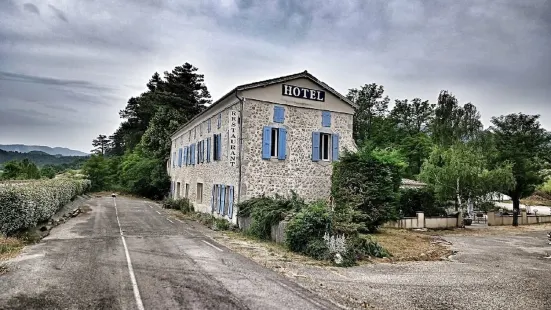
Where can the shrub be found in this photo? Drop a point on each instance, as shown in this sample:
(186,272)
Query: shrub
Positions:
(182,204)
(26,204)
(220,224)
(309,225)
(420,199)
(266,212)
(368,181)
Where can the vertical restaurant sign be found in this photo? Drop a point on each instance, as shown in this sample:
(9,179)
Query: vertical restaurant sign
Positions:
(233,134)
(302,92)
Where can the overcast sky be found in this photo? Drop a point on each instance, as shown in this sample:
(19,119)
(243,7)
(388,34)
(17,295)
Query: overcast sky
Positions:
(68,66)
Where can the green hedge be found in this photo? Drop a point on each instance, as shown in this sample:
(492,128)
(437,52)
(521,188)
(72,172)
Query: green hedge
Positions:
(24,205)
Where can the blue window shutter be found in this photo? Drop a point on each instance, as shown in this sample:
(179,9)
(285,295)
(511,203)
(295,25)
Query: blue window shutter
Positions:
(180,157)
(185,155)
(173,159)
(219,120)
(266,142)
(219,150)
(208,150)
(282,144)
(193,154)
(230,207)
(203,151)
(208,125)
(335,142)
(222,199)
(212,197)
(326,119)
(279,114)
(315,146)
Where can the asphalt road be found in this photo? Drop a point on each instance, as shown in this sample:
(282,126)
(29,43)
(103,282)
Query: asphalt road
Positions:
(129,254)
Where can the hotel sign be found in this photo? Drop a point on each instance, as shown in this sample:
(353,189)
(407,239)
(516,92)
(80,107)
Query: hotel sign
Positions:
(233,133)
(302,92)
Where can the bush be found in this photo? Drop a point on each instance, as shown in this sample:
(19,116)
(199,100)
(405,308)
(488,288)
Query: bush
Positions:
(220,224)
(25,205)
(368,181)
(308,226)
(182,204)
(420,199)
(266,212)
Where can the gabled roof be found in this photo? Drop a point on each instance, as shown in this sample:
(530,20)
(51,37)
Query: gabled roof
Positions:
(265,83)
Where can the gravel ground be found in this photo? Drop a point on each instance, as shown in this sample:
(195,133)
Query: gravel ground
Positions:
(505,269)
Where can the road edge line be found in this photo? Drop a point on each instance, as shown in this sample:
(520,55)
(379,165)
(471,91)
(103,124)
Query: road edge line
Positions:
(135,288)
(212,245)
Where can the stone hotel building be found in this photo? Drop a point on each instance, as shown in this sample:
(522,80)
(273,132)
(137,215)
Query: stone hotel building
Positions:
(266,137)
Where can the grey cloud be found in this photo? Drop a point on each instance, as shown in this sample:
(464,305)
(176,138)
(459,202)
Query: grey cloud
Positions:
(58,13)
(495,54)
(8,76)
(29,7)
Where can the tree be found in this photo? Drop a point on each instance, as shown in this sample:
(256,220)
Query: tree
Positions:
(48,172)
(521,141)
(453,123)
(369,117)
(461,173)
(100,144)
(20,170)
(97,170)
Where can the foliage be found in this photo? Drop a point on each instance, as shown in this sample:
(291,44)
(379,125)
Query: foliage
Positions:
(20,170)
(368,181)
(460,173)
(521,141)
(369,117)
(24,205)
(309,225)
(97,170)
(182,204)
(136,153)
(100,144)
(220,224)
(362,247)
(267,211)
(420,199)
(453,123)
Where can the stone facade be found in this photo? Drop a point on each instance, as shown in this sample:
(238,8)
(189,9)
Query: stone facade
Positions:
(206,173)
(309,179)
(260,176)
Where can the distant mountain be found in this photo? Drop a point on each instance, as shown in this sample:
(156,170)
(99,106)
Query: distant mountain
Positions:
(40,158)
(22,148)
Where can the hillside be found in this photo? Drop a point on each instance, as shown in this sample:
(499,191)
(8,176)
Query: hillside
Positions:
(39,158)
(22,148)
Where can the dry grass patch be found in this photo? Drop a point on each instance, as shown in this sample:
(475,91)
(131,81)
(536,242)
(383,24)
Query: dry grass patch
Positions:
(10,247)
(406,245)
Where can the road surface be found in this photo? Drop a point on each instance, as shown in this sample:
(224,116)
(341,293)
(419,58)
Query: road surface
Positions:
(130,254)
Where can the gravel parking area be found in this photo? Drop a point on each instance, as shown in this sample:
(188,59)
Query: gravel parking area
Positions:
(504,269)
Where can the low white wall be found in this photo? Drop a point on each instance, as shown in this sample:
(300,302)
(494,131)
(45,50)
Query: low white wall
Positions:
(524,219)
(420,221)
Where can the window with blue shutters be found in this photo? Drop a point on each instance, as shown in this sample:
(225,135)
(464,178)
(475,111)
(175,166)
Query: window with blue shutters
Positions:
(192,161)
(180,154)
(279,114)
(219,150)
(274,143)
(222,200)
(325,146)
(208,125)
(326,119)
(219,120)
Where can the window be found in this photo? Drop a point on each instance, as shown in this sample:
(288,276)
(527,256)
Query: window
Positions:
(199,193)
(178,190)
(208,125)
(219,120)
(226,201)
(274,143)
(324,146)
(279,114)
(274,138)
(217,148)
(187,190)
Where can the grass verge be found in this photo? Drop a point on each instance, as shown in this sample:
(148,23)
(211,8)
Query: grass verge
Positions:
(10,247)
(407,245)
